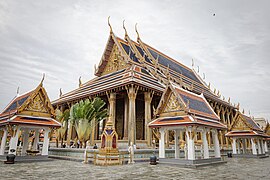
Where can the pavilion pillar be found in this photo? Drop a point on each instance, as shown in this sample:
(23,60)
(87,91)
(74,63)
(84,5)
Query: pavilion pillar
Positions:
(132,93)
(14,141)
(238,147)
(190,143)
(265,146)
(112,102)
(244,146)
(182,143)
(69,132)
(162,143)
(234,146)
(25,141)
(3,142)
(93,132)
(254,149)
(176,144)
(126,118)
(216,144)
(262,145)
(45,148)
(205,144)
(36,139)
(147,118)
(259,146)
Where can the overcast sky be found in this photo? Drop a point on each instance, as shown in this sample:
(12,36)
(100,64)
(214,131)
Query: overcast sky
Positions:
(65,38)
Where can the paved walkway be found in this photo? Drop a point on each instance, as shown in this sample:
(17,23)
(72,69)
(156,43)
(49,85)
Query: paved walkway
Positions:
(60,169)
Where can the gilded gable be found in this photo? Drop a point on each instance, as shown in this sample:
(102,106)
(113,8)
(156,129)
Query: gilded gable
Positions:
(115,62)
(37,104)
(240,124)
(172,104)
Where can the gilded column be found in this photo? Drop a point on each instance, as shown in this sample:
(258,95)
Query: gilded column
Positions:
(126,119)
(112,102)
(147,118)
(132,93)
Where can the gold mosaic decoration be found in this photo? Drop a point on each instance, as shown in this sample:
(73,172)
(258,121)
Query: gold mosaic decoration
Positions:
(172,104)
(240,125)
(36,105)
(115,62)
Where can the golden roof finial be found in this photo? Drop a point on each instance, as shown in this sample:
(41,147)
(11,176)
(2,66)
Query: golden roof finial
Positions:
(249,112)
(192,63)
(243,112)
(60,94)
(229,100)
(138,35)
(203,76)
(80,81)
(209,85)
(18,90)
(215,91)
(238,106)
(125,28)
(110,24)
(42,79)
(198,69)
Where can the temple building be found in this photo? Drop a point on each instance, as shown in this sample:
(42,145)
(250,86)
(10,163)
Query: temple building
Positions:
(131,77)
(23,121)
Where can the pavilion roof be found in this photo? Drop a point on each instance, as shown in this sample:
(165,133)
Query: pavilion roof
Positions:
(246,133)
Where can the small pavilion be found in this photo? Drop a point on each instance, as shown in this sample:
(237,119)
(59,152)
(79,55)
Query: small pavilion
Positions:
(248,139)
(24,118)
(180,110)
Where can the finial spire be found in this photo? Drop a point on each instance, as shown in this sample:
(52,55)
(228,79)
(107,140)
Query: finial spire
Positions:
(243,111)
(198,69)
(138,35)
(204,76)
(110,24)
(192,63)
(229,100)
(18,91)
(80,81)
(60,94)
(42,79)
(124,28)
(238,106)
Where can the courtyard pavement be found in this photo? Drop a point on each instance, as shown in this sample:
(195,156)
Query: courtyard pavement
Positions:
(61,169)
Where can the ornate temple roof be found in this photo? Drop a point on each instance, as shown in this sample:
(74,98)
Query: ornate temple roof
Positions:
(244,125)
(118,57)
(179,107)
(32,108)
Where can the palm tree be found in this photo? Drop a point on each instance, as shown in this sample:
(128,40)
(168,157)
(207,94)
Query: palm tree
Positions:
(63,118)
(83,114)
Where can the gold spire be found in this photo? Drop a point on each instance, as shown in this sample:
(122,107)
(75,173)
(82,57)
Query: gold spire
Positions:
(138,35)
(243,111)
(60,94)
(209,85)
(238,106)
(80,81)
(42,79)
(18,90)
(198,69)
(192,63)
(110,25)
(229,100)
(125,28)
(204,76)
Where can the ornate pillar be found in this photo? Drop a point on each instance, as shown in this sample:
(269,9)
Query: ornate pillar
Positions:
(205,144)
(265,146)
(244,146)
(25,141)
(147,118)
(234,146)
(190,143)
(126,118)
(216,144)
(14,140)
(112,102)
(132,93)
(3,142)
(259,146)
(162,143)
(69,132)
(176,144)
(221,138)
(262,145)
(238,146)
(254,149)
(36,139)
(45,147)
(182,143)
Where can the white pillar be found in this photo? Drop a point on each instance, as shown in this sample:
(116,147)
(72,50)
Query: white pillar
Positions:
(3,142)
(36,139)
(238,147)
(45,147)
(262,145)
(254,149)
(244,146)
(265,146)
(190,144)
(216,144)
(205,145)
(234,145)
(14,141)
(162,143)
(176,144)
(25,141)
(259,146)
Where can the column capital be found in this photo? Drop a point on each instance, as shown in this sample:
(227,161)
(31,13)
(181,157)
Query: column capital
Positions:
(148,96)
(132,92)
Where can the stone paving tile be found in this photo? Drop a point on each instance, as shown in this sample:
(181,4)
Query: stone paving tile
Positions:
(61,169)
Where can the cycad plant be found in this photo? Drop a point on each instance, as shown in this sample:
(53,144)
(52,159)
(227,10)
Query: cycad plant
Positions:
(83,114)
(63,118)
